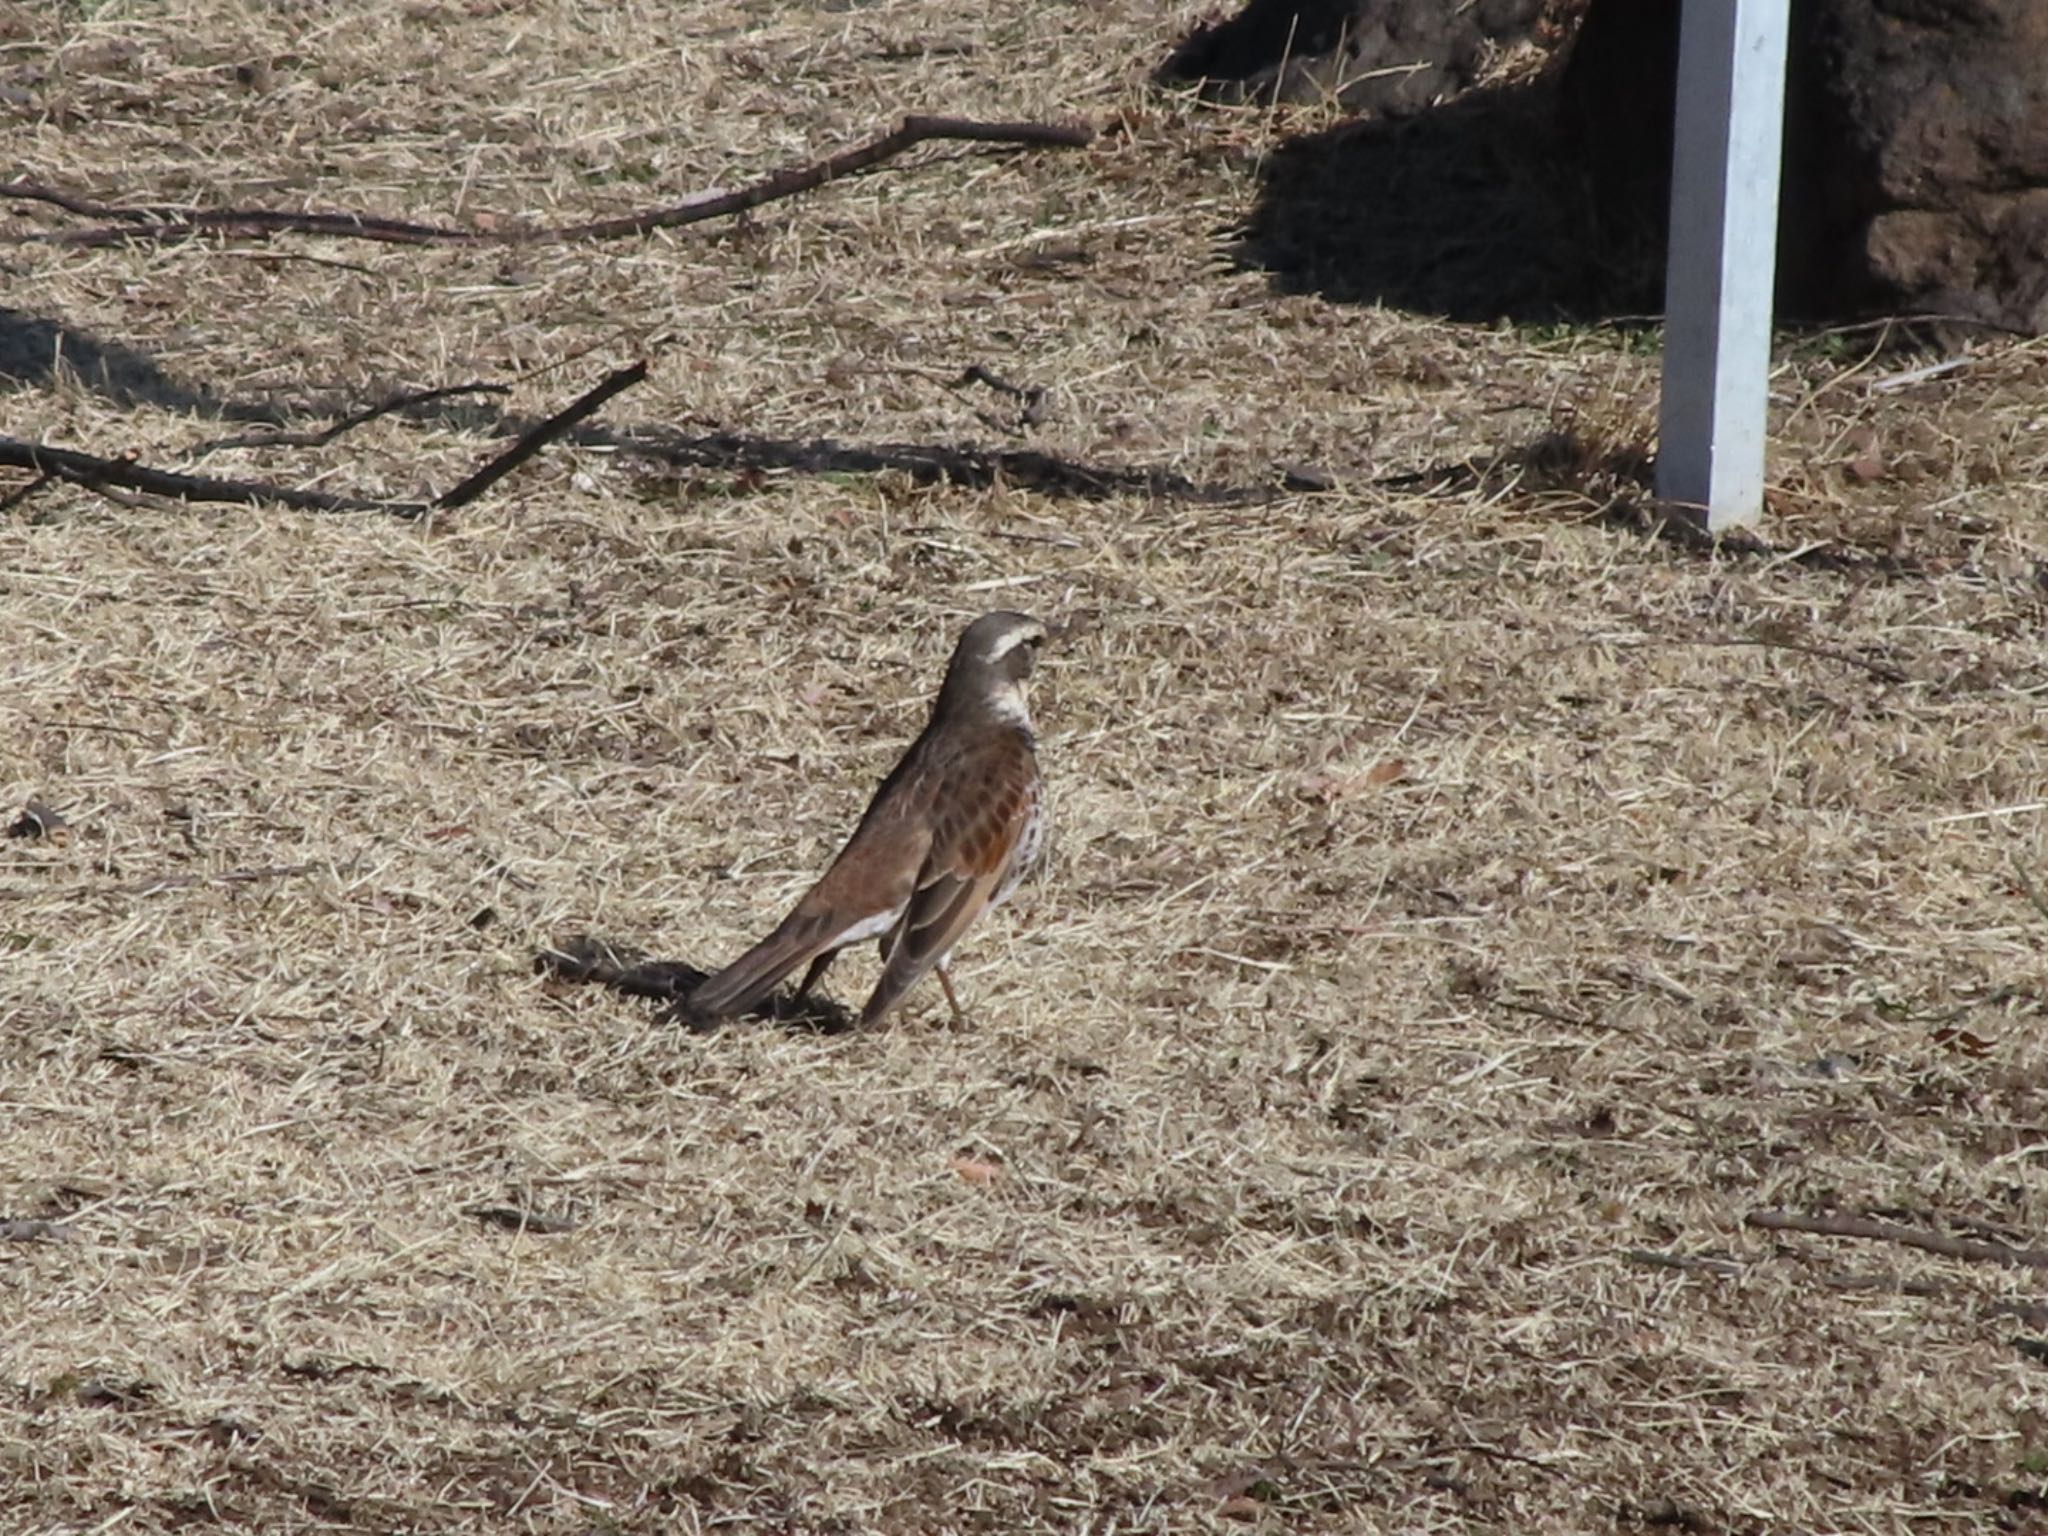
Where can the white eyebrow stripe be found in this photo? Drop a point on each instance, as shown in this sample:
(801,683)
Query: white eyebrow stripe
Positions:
(1011,641)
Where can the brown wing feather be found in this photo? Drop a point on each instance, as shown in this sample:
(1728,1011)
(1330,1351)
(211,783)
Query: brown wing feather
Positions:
(872,875)
(982,808)
(796,940)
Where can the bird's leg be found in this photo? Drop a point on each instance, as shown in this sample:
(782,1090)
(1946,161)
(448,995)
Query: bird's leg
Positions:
(815,973)
(946,981)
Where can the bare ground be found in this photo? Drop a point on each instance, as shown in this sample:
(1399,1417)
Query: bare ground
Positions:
(1469,905)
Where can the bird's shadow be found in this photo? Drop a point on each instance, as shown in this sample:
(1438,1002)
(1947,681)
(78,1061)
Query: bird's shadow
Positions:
(632,973)
(36,351)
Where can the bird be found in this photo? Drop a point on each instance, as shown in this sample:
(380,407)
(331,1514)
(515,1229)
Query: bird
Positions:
(949,834)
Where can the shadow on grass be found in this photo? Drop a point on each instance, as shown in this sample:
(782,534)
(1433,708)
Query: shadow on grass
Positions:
(1615,481)
(631,973)
(37,352)
(41,353)
(1472,212)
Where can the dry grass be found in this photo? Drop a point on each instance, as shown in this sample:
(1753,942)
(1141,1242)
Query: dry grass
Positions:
(1455,892)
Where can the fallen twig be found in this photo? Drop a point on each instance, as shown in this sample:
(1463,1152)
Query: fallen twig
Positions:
(172,223)
(2027,886)
(927,464)
(1997,1232)
(21,493)
(1692,1264)
(348,423)
(515,1218)
(538,436)
(1840,1224)
(157,883)
(1891,1284)
(1883,671)
(1029,397)
(1541,1010)
(100,473)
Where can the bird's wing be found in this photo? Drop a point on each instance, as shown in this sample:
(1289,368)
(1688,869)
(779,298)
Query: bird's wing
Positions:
(978,816)
(798,939)
(861,896)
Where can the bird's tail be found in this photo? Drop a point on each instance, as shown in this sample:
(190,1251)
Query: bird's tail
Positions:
(749,979)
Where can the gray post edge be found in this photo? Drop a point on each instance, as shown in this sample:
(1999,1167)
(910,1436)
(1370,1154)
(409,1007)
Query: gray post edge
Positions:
(1722,258)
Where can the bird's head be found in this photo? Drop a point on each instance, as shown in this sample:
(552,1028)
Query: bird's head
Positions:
(992,661)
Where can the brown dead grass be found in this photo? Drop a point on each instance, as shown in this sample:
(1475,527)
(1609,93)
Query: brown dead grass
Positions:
(1456,893)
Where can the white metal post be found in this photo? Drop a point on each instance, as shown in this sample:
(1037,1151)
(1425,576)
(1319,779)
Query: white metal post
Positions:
(1723,257)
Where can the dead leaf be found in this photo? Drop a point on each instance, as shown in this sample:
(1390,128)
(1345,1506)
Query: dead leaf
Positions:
(1962,1041)
(1332,787)
(974,1171)
(1866,455)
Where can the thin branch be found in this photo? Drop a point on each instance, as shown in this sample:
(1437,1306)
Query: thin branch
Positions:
(1500,1453)
(1540,1010)
(1689,1263)
(1974,1224)
(927,464)
(1882,671)
(25,190)
(157,884)
(791,180)
(162,223)
(516,1218)
(1838,1224)
(1892,1285)
(348,423)
(108,476)
(2027,886)
(21,493)
(97,473)
(539,436)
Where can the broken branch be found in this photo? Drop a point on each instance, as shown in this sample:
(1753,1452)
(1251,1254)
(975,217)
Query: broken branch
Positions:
(161,223)
(369,413)
(98,473)
(1838,1224)
(107,475)
(540,435)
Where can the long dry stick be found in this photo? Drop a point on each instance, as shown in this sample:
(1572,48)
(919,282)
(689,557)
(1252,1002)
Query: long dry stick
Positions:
(1838,1224)
(99,473)
(538,436)
(174,223)
(404,400)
